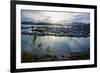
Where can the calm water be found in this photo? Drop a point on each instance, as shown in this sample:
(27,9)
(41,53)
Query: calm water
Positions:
(57,45)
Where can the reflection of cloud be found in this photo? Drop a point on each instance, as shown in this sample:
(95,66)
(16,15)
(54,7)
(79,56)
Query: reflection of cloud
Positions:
(54,17)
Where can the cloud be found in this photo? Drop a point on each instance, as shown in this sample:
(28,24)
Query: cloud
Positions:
(54,17)
(82,17)
(29,15)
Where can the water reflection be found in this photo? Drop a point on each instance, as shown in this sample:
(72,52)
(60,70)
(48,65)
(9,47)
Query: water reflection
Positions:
(58,47)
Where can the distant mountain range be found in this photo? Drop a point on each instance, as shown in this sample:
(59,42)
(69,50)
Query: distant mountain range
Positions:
(41,23)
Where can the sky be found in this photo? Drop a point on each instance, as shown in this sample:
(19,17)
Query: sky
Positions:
(54,16)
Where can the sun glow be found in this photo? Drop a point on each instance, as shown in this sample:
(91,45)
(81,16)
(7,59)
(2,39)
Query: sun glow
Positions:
(54,17)
(58,17)
(39,17)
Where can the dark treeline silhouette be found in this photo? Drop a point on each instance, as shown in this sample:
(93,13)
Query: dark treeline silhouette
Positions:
(71,30)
